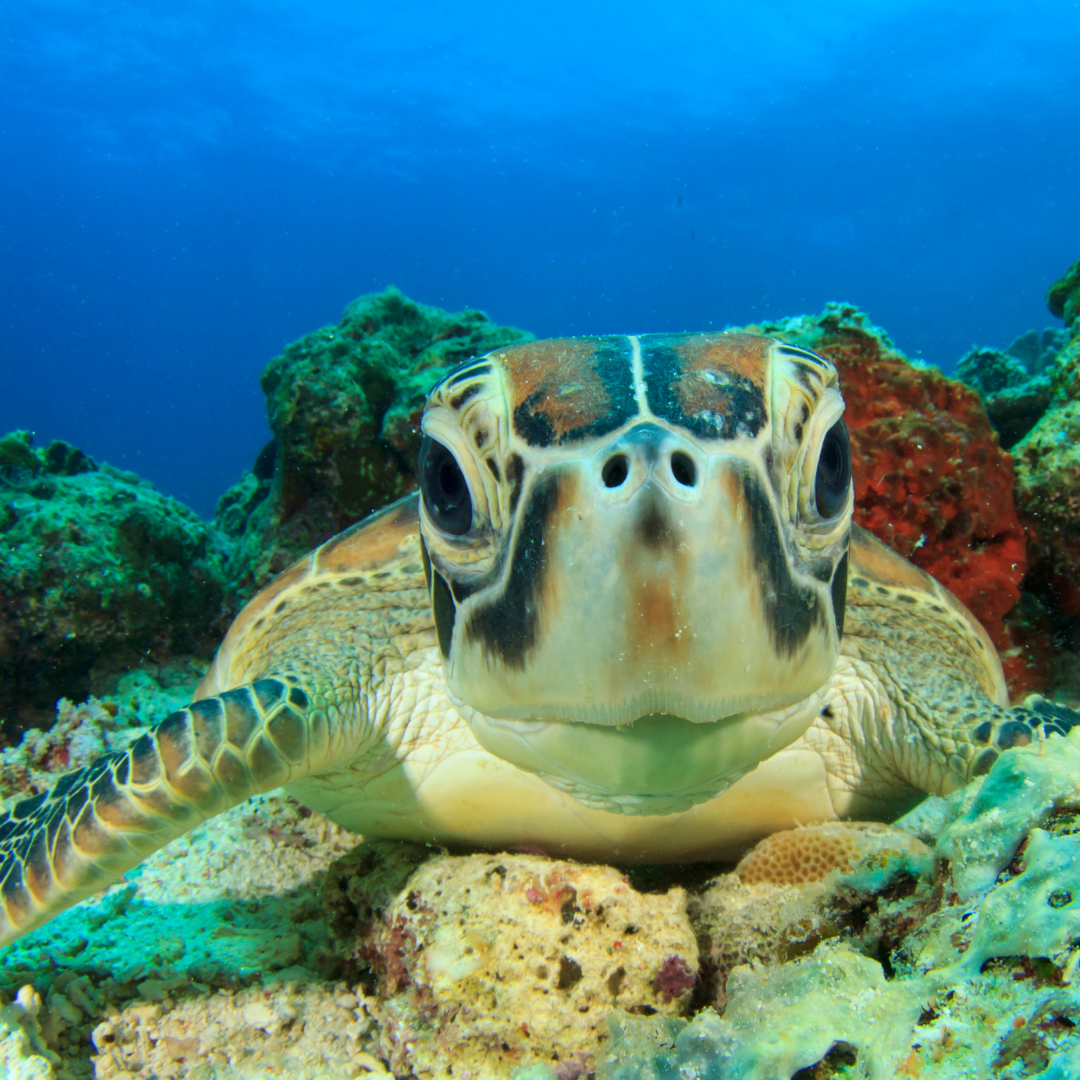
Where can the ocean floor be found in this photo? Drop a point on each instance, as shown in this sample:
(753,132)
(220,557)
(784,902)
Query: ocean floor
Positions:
(267,943)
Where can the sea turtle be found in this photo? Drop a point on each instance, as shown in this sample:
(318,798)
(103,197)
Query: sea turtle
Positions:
(627,617)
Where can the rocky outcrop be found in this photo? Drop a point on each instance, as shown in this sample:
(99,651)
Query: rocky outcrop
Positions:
(97,570)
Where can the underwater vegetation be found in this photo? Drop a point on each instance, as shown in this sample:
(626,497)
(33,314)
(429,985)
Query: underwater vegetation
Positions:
(267,942)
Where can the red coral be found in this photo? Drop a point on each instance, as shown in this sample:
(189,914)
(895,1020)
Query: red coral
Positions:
(931,479)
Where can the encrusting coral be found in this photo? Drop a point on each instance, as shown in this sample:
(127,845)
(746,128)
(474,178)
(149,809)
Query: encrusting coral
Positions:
(486,963)
(264,944)
(1048,463)
(955,971)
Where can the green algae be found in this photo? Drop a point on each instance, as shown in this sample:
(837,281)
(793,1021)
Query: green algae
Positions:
(1063,297)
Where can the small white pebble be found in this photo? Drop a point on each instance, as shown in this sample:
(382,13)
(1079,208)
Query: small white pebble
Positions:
(258,1015)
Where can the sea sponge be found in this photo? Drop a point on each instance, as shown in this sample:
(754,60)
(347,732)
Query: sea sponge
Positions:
(488,963)
(833,1004)
(809,854)
(1019,794)
(1035,913)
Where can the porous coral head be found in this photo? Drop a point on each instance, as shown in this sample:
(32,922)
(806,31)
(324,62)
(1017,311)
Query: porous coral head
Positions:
(806,855)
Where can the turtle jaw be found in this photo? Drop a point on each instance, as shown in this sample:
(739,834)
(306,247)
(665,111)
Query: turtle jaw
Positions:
(657,765)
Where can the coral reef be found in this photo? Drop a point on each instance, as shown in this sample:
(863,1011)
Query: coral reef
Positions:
(811,854)
(263,944)
(490,962)
(1015,384)
(1048,484)
(796,889)
(344,405)
(213,955)
(1048,500)
(81,733)
(98,570)
(961,970)
(931,479)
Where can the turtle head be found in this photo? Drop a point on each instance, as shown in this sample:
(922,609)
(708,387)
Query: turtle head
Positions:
(645,531)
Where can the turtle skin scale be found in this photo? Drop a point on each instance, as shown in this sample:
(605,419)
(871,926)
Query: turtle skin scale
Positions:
(337,681)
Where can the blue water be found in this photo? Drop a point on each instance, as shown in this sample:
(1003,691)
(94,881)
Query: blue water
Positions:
(186,187)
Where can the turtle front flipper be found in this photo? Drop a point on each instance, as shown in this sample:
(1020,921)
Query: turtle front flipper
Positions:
(97,822)
(1020,725)
(918,703)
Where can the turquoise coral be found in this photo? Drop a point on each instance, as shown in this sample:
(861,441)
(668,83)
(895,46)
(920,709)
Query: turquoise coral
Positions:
(984,950)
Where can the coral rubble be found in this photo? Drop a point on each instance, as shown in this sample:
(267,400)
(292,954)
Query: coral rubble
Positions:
(344,405)
(97,569)
(490,962)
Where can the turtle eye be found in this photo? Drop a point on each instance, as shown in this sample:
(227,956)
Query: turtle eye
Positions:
(833,471)
(443,486)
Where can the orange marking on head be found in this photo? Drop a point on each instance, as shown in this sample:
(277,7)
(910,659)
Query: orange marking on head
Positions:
(709,357)
(558,381)
(656,571)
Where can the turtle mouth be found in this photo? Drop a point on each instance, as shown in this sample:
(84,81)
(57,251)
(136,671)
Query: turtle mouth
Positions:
(656,764)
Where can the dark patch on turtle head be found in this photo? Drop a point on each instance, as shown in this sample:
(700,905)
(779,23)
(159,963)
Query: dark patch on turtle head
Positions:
(791,610)
(654,527)
(444,610)
(508,626)
(839,594)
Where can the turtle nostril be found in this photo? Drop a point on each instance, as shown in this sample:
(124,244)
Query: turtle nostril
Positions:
(682,468)
(615,471)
